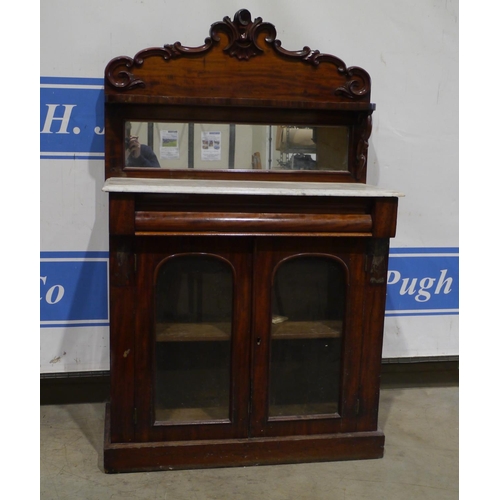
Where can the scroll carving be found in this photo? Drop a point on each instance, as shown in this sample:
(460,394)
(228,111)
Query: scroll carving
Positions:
(119,70)
(242,34)
(362,147)
(357,86)
(378,251)
(359,82)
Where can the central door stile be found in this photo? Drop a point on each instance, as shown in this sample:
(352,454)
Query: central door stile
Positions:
(249,344)
(261,307)
(251,330)
(242,329)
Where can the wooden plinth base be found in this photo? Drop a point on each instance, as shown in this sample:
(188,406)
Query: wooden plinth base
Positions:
(142,457)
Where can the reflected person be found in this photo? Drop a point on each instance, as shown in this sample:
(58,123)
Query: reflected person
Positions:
(139,155)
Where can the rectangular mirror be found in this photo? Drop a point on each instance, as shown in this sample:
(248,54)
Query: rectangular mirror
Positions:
(217,146)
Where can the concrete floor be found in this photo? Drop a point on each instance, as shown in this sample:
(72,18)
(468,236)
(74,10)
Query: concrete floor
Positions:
(420,462)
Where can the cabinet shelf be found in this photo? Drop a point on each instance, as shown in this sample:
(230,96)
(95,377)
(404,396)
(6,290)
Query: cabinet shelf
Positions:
(311,410)
(210,332)
(193,332)
(289,330)
(191,414)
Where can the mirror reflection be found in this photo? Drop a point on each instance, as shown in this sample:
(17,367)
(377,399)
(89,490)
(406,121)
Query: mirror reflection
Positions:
(242,147)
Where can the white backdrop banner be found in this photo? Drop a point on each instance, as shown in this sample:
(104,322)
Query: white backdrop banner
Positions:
(413,148)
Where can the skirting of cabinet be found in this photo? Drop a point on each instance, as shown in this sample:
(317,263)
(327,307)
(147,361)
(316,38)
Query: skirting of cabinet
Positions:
(151,456)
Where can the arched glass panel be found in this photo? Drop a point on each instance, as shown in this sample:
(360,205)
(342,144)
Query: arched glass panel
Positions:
(194,300)
(306,339)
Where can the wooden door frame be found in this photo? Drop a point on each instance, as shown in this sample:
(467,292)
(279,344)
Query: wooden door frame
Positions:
(151,253)
(268,255)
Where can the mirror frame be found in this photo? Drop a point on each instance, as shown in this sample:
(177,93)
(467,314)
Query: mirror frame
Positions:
(241,75)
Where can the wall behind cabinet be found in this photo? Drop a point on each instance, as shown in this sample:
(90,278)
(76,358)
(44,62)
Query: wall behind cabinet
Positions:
(410,50)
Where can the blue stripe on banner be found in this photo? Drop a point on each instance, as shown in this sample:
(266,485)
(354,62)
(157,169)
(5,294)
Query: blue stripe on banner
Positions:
(424,250)
(63,80)
(73,289)
(74,255)
(423,281)
(73,156)
(71,118)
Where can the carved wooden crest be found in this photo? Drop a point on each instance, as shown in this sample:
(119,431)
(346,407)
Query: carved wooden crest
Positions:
(244,43)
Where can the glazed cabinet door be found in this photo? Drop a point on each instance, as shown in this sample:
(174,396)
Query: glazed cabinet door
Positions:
(307,330)
(248,337)
(192,334)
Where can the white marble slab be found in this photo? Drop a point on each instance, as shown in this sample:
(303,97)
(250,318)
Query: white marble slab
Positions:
(191,186)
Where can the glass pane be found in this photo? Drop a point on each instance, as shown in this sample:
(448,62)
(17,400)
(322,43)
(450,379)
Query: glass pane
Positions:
(306,339)
(193,339)
(219,146)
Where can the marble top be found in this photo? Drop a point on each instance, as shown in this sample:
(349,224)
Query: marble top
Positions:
(192,186)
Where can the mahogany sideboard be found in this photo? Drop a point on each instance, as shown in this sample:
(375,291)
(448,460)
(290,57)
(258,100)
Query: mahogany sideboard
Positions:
(248,256)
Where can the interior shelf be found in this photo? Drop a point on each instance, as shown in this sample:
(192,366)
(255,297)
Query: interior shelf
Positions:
(289,330)
(207,332)
(193,332)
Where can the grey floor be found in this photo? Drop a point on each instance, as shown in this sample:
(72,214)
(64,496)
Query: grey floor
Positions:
(420,462)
